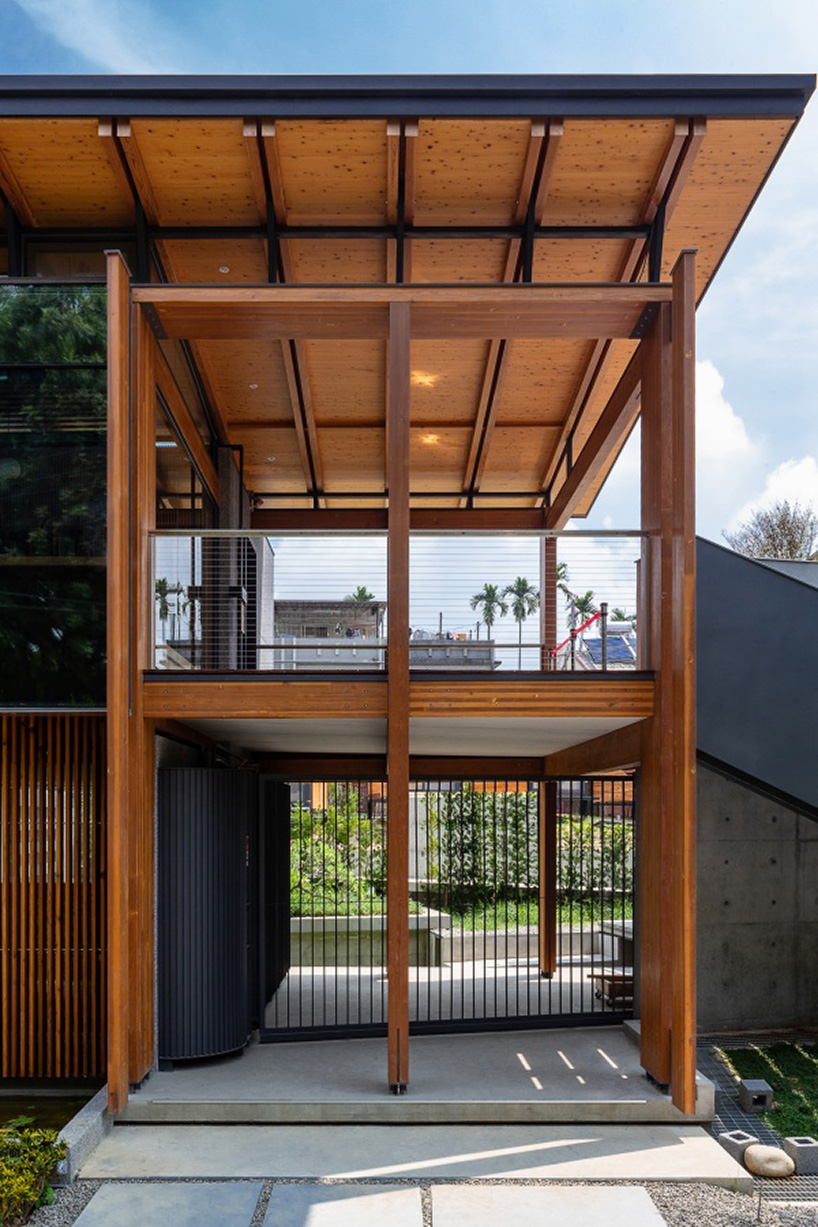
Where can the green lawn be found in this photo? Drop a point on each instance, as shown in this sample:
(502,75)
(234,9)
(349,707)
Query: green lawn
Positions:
(792,1072)
(517,915)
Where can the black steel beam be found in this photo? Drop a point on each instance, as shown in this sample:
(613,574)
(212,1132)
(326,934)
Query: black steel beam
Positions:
(502,233)
(407,96)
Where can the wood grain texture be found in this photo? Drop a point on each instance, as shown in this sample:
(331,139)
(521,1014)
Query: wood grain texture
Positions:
(141,902)
(52,906)
(185,424)
(669,743)
(299,313)
(684,682)
(180,698)
(398,690)
(543,143)
(607,437)
(547,877)
(551,696)
(610,752)
(656,872)
(683,144)
(118,676)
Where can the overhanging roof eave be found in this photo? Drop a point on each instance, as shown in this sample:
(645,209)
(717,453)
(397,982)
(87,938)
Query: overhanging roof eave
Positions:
(401,96)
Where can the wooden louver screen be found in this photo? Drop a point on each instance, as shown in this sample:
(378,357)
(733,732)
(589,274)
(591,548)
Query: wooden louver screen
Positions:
(52,903)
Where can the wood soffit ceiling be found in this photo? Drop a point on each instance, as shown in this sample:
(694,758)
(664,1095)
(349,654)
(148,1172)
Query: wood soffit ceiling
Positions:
(486,416)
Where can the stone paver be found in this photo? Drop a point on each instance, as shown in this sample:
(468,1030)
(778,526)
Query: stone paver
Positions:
(333,1205)
(489,1205)
(172,1204)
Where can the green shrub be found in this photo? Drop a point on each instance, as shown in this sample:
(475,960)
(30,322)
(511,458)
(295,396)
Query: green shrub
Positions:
(323,884)
(483,850)
(27,1158)
(337,857)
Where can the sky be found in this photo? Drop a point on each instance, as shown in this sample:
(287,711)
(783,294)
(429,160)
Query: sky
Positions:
(757,346)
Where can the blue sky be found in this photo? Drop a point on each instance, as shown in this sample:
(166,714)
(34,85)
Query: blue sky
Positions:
(758,326)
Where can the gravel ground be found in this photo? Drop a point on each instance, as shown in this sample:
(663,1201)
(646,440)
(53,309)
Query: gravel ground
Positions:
(681,1205)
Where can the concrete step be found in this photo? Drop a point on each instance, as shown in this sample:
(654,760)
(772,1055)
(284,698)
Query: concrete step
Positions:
(589,1075)
(639,1153)
(409,1110)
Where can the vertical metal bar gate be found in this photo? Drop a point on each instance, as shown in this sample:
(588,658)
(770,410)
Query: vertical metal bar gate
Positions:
(475,865)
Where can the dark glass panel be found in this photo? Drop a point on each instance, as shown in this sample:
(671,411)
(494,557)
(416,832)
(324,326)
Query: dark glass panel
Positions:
(52,495)
(52,634)
(181,369)
(52,323)
(181,499)
(73,261)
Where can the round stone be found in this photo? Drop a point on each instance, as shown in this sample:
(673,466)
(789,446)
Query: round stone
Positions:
(768,1161)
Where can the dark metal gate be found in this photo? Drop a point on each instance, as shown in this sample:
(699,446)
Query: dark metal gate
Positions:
(521,908)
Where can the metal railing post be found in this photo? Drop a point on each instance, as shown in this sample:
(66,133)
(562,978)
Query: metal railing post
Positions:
(603,618)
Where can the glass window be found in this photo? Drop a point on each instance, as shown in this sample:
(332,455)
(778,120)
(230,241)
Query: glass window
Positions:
(52,495)
(181,499)
(72,261)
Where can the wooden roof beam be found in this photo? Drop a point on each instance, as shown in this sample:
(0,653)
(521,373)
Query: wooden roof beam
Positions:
(127,163)
(671,175)
(401,146)
(617,750)
(298,313)
(609,433)
(106,131)
(139,172)
(264,157)
(543,144)
(15,196)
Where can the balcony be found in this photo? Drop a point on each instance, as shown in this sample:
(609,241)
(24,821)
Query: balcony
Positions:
(245,602)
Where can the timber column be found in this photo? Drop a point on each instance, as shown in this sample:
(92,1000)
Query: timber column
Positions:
(667,891)
(118,680)
(397,737)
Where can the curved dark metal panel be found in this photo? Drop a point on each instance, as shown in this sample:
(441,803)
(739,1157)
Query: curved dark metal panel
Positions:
(204,815)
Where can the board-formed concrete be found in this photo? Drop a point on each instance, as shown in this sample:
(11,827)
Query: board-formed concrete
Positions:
(455,1205)
(344,1205)
(179,1204)
(434,1152)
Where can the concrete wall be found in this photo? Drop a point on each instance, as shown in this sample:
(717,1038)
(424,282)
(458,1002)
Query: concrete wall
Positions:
(757,909)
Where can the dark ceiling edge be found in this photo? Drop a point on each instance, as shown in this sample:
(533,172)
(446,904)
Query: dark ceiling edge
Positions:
(402,96)
(798,804)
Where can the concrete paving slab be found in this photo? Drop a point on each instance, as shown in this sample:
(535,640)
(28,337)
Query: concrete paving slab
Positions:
(336,1205)
(488,1205)
(361,1152)
(183,1205)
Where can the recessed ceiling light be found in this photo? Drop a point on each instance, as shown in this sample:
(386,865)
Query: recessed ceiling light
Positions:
(252,386)
(224,268)
(423,379)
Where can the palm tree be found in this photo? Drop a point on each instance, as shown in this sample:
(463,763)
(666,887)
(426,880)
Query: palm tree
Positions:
(524,600)
(163,592)
(562,581)
(360,594)
(491,603)
(584,607)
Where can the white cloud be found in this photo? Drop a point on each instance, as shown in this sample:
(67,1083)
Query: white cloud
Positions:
(794,481)
(721,436)
(729,459)
(117,35)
